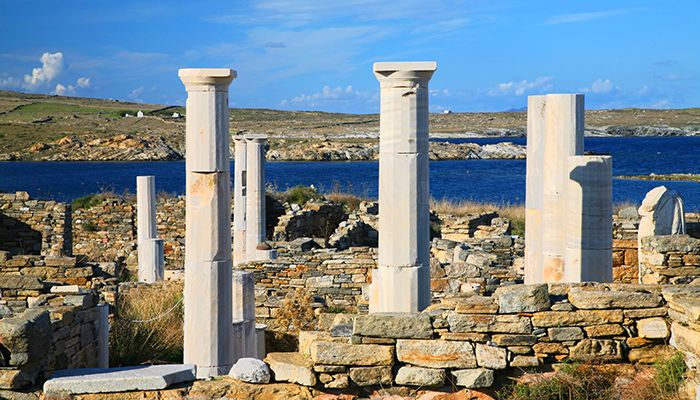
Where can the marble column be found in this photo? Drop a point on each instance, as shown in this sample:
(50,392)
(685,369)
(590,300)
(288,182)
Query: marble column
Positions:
(256,249)
(401,283)
(589,219)
(208,341)
(533,189)
(150,248)
(244,336)
(239,200)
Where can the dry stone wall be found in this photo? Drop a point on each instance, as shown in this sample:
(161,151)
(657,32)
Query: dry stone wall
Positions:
(467,340)
(673,259)
(29,226)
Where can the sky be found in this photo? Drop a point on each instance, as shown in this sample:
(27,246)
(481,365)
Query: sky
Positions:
(318,54)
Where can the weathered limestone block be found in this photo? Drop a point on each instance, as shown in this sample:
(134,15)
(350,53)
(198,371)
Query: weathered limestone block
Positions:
(491,357)
(26,338)
(394,325)
(597,349)
(418,376)
(489,323)
(652,328)
(650,354)
(602,299)
(342,325)
(604,330)
(473,378)
(565,334)
(549,348)
(474,305)
(351,354)
(522,298)
(370,376)
(291,367)
(521,361)
(436,353)
(685,339)
(514,340)
(553,319)
(250,370)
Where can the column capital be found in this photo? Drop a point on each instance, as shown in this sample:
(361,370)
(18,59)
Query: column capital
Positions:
(394,73)
(256,137)
(238,138)
(203,79)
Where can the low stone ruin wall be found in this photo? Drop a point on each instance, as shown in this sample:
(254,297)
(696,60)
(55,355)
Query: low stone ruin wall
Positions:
(472,341)
(37,227)
(671,259)
(107,231)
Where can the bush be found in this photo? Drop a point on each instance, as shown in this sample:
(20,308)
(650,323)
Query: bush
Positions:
(147,326)
(300,195)
(86,202)
(573,382)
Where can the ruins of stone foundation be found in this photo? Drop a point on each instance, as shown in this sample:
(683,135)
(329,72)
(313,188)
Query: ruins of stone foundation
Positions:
(420,308)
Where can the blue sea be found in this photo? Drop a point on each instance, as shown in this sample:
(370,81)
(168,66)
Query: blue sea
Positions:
(500,181)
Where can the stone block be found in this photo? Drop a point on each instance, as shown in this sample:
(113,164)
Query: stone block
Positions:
(351,354)
(418,376)
(250,370)
(473,378)
(291,367)
(436,353)
(475,305)
(597,350)
(491,357)
(603,299)
(394,325)
(652,328)
(514,340)
(604,330)
(651,354)
(371,376)
(522,298)
(521,361)
(553,319)
(489,323)
(25,338)
(565,334)
(125,379)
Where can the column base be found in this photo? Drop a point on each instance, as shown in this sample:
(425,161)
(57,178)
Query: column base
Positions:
(396,289)
(210,372)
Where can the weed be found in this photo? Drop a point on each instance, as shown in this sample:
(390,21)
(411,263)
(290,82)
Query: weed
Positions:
(147,327)
(300,195)
(87,202)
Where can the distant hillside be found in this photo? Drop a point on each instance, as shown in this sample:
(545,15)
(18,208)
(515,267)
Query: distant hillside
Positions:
(41,127)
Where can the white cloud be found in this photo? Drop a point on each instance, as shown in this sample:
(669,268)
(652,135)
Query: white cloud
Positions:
(62,90)
(52,65)
(661,104)
(136,93)
(587,16)
(600,86)
(337,96)
(83,82)
(520,88)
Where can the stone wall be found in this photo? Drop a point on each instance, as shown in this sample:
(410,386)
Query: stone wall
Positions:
(30,226)
(48,318)
(673,259)
(466,340)
(107,231)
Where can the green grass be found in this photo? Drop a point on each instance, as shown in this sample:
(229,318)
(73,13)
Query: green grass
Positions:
(87,202)
(37,110)
(300,195)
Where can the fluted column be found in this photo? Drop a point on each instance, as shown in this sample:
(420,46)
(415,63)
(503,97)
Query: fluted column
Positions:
(208,259)
(401,283)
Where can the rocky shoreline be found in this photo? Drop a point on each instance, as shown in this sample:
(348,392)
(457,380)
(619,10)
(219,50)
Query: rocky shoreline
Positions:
(126,147)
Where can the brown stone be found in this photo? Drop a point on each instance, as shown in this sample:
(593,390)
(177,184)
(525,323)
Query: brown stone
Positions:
(436,353)
(489,323)
(604,330)
(549,348)
(370,376)
(551,319)
(351,354)
(597,350)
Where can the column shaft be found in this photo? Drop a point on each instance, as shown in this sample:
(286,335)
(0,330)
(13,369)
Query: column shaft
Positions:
(208,264)
(402,281)
(150,249)
(239,201)
(563,138)
(533,188)
(255,199)
(589,219)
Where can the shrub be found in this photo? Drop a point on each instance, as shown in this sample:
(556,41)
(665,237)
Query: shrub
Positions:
(300,195)
(573,382)
(90,226)
(147,326)
(86,202)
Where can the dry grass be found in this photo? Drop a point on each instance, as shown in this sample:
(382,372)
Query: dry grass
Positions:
(294,314)
(351,201)
(147,327)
